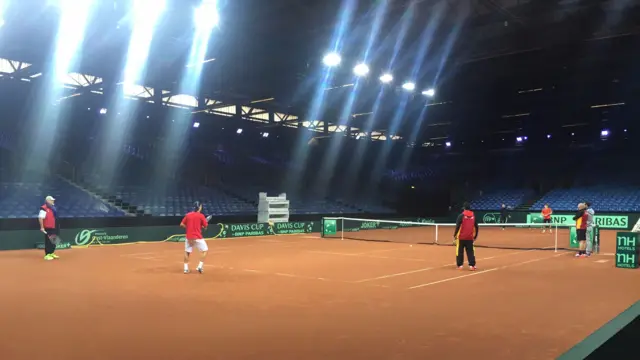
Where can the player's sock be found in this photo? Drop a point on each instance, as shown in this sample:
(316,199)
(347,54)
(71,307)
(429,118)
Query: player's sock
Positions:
(186,267)
(201,265)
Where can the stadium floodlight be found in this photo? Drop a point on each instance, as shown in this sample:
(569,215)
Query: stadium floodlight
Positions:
(409,86)
(265,135)
(361,69)
(239,131)
(525,138)
(447,144)
(206,16)
(519,139)
(548,136)
(429,92)
(332,59)
(604,133)
(103,111)
(196,124)
(386,78)
(625,130)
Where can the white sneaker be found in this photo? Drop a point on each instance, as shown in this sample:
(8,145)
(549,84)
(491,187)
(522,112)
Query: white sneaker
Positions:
(186,271)
(200,270)
(544,231)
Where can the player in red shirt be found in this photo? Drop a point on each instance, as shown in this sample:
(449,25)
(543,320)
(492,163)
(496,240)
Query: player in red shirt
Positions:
(546,217)
(193,223)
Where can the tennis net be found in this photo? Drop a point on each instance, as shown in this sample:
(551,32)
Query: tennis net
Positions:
(502,236)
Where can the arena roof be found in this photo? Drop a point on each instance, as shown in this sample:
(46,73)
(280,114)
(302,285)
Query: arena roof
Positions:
(493,63)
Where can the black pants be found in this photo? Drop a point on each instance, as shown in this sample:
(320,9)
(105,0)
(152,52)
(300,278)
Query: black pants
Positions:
(49,247)
(461,247)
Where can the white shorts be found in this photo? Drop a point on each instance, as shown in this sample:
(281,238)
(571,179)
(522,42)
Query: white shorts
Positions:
(199,244)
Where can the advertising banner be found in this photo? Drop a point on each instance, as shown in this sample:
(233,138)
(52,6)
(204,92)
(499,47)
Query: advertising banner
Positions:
(627,250)
(333,226)
(603,221)
(262,229)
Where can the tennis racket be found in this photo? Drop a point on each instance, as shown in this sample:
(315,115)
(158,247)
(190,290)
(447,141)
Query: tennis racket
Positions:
(209,218)
(55,239)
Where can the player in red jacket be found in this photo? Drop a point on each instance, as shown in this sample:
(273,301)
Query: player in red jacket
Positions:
(193,223)
(464,236)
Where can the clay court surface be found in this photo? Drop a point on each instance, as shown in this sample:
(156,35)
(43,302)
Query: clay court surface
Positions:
(303,297)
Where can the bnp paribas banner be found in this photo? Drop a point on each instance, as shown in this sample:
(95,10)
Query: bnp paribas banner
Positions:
(603,221)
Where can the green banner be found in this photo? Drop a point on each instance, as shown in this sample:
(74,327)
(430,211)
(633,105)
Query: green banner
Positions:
(332,226)
(493,217)
(627,250)
(573,238)
(594,235)
(329,227)
(256,229)
(603,221)
(262,229)
(28,239)
(117,235)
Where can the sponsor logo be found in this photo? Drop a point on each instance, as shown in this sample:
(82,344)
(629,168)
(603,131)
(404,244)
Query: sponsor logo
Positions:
(491,218)
(242,230)
(60,246)
(612,222)
(247,227)
(292,227)
(603,221)
(369,225)
(330,227)
(88,236)
(627,250)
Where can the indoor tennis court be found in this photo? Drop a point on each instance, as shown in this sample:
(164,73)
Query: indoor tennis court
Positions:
(304,297)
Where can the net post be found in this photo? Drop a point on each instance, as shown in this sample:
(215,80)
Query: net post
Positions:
(437,233)
(555,249)
(341,228)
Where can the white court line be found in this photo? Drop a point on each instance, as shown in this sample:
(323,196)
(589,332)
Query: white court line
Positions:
(453,278)
(150,258)
(486,271)
(436,267)
(291,275)
(394,275)
(364,256)
(381,250)
(138,254)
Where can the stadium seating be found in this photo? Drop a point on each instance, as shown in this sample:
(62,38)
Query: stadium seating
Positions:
(298,204)
(493,200)
(602,198)
(22,200)
(179,201)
